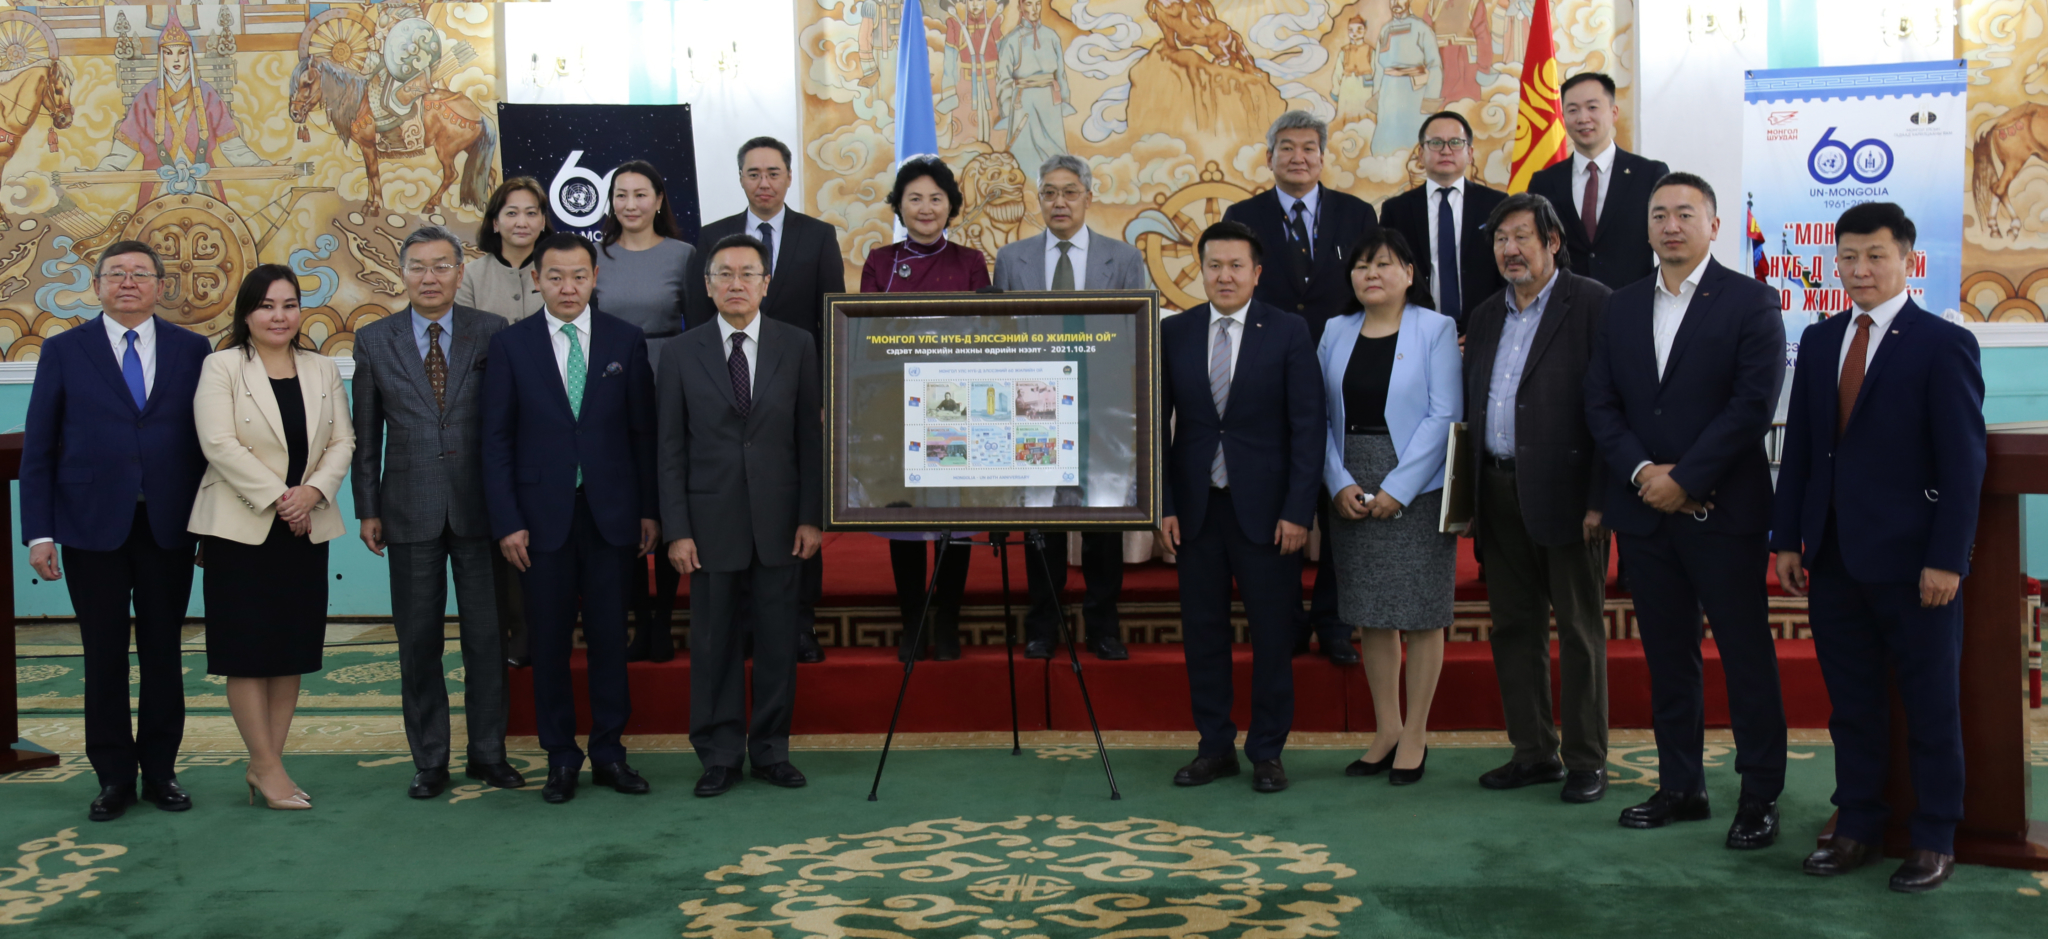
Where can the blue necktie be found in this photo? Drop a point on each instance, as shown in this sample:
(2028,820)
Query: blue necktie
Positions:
(131,369)
(1447,258)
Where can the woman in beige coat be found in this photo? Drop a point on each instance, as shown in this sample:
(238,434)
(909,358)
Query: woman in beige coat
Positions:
(274,425)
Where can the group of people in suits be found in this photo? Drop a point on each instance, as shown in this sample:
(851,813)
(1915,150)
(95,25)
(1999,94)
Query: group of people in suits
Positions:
(1617,383)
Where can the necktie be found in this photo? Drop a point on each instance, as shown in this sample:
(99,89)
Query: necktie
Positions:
(1447,258)
(1063,271)
(131,369)
(574,384)
(768,239)
(1852,373)
(1301,255)
(1219,392)
(742,386)
(437,366)
(1589,211)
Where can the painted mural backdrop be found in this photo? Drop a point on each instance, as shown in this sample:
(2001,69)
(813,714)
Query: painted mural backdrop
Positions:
(2005,222)
(230,135)
(1168,100)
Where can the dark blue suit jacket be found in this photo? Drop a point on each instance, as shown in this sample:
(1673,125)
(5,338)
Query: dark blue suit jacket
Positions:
(1271,431)
(533,443)
(1344,219)
(1622,254)
(87,452)
(1904,478)
(1710,412)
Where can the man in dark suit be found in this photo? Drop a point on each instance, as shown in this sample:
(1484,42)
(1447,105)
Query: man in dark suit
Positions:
(110,463)
(1536,512)
(1875,515)
(419,374)
(804,259)
(1603,191)
(742,498)
(1243,393)
(568,446)
(1310,228)
(1680,395)
(1445,219)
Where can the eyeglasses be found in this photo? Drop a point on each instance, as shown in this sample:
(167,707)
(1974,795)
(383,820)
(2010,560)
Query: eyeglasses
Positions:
(1453,143)
(723,278)
(129,277)
(442,270)
(755,176)
(1072,194)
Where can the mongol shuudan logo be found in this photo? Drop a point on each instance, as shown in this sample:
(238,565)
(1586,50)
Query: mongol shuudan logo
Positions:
(1831,161)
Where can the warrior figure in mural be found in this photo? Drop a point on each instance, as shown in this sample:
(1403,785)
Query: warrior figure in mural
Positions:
(1031,81)
(879,22)
(400,76)
(179,125)
(971,35)
(1457,29)
(1353,87)
(1406,70)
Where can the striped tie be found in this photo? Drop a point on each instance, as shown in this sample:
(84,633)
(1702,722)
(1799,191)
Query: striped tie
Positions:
(1219,391)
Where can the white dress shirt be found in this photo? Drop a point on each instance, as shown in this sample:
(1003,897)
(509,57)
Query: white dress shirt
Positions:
(774,225)
(1077,255)
(750,347)
(1431,187)
(1237,317)
(1312,207)
(560,341)
(1881,318)
(145,347)
(1579,162)
(1667,313)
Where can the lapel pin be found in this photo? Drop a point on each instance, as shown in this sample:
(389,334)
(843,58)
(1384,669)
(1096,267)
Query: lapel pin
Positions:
(614,369)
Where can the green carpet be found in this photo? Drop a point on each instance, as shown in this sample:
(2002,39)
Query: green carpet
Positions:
(964,843)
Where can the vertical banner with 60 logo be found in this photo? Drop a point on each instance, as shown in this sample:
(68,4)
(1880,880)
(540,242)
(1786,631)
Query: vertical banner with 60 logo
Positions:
(1819,140)
(573,148)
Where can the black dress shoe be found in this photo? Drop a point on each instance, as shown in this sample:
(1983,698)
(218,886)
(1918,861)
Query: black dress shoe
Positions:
(1405,777)
(518,661)
(620,777)
(428,783)
(1756,824)
(1338,648)
(636,654)
(495,775)
(1205,770)
(1268,776)
(808,651)
(780,774)
(667,654)
(946,648)
(1360,767)
(1516,775)
(561,784)
(166,795)
(716,780)
(1665,807)
(1840,856)
(1923,871)
(1108,648)
(1584,785)
(1038,648)
(111,802)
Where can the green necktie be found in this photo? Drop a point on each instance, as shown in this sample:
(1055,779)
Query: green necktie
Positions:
(1063,271)
(575,383)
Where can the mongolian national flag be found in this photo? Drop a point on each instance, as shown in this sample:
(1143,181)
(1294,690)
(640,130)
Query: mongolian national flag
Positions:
(1756,248)
(1539,131)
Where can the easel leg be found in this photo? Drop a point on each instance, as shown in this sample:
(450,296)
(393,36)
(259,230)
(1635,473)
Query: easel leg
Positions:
(1036,540)
(910,665)
(1002,543)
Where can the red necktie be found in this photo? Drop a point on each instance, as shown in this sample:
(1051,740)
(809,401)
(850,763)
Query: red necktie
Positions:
(1852,373)
(1589,211)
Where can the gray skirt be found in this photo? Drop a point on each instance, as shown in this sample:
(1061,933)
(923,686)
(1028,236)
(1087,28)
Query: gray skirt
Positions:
(1396,573)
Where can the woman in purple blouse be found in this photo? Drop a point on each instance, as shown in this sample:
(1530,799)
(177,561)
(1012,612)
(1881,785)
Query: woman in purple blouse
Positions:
(926,198)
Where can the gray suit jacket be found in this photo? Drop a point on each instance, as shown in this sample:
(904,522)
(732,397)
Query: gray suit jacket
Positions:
(419,468)
(740,486)
(1112,265)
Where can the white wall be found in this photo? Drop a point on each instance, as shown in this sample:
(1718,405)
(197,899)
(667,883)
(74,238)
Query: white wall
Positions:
(658,52)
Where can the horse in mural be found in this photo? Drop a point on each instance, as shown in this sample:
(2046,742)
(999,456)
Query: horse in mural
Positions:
(25,96)
(454,126)
(2003,148)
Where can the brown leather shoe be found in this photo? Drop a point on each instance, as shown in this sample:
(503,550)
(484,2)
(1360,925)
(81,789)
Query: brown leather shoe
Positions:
(1923,871)
(1840,856)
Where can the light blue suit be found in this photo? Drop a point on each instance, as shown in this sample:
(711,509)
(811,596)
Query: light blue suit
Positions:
(1424,396)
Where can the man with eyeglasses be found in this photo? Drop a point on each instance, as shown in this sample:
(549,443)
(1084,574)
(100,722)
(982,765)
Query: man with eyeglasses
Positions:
(1069,256)
(742,501)
(419,491)
(110,464)
(1445,219)
(804,259)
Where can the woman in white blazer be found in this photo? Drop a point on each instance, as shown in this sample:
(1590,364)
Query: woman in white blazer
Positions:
(1393,384)
(274,425)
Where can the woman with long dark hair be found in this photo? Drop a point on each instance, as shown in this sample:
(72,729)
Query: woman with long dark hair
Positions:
(274,424)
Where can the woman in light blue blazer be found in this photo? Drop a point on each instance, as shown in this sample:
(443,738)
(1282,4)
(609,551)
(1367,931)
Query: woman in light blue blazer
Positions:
(1393,385)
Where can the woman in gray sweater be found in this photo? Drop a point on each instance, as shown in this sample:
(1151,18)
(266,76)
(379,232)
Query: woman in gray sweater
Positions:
(500,282)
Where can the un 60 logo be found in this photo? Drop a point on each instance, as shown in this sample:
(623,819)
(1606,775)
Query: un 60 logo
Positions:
(1831,161)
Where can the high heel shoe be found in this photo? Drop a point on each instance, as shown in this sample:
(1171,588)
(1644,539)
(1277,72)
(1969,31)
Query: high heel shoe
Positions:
(1362,767)
(1403,777)
(295,803)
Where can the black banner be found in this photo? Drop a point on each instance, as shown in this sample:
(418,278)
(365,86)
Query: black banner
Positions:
(573,148)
